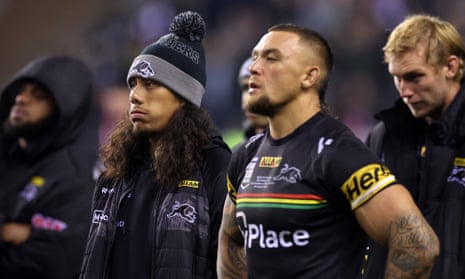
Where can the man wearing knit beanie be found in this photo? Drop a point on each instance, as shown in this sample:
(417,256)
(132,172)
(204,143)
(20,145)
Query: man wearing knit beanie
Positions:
(176,60)
(158,204)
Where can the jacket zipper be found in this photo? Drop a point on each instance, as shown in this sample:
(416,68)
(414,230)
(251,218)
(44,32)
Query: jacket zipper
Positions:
(111,238)
(153,233)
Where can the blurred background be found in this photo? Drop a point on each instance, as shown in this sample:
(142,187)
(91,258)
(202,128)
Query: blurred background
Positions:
(107,34)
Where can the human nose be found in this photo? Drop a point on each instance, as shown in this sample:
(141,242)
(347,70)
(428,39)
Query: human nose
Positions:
(404,89)
(135,95)
(253,68)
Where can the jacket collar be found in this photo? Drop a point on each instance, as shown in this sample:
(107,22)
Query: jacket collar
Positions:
(448,130)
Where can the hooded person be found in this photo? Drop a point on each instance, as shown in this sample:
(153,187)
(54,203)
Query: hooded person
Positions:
(45,169)
(158,204)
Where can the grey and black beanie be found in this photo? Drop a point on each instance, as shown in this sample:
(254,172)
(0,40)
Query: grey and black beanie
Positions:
(177,59)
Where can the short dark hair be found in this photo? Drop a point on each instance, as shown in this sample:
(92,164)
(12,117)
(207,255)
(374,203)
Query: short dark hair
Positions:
(318,43)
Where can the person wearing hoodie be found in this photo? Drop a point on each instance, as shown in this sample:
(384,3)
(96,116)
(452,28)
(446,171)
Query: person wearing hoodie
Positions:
(45,169)
(158,204)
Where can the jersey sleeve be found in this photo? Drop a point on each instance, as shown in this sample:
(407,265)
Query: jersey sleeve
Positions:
(350,168)
(234,173)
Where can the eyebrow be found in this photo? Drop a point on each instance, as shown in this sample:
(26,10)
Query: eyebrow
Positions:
(267,52)
(409,74)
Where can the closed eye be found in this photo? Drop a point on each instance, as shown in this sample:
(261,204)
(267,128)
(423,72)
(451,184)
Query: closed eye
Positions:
(412,77)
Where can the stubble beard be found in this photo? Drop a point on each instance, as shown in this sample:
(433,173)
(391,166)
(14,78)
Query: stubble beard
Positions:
(262,106)
(30,130)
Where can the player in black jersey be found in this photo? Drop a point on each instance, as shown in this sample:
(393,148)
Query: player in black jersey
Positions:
(304,194)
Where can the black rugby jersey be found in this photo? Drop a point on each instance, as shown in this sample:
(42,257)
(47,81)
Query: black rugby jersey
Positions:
(295,199)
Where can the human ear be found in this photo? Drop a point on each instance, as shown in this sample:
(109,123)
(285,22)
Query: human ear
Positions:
(311,78)
(452,65)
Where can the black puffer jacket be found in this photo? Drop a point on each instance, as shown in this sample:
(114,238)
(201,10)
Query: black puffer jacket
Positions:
(49,185)
(182,233)
(430,161)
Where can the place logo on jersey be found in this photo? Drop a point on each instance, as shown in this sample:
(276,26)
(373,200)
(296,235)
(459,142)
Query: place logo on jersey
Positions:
(189,183)
(457,173)
(31,189)
(270,161)
(289,174)
(365,183)
(183,210)
(40,221)
(258,236)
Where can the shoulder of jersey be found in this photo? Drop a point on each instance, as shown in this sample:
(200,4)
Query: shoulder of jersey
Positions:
(253,139)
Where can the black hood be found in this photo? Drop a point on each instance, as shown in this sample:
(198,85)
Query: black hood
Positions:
(69,82)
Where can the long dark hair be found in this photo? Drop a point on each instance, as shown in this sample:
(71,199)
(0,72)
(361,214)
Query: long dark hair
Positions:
(173,157)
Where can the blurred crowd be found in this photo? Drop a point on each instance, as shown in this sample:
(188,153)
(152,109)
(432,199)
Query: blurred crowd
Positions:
(356,31)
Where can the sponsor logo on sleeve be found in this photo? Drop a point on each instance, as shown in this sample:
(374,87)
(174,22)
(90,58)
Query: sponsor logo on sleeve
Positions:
(365,183)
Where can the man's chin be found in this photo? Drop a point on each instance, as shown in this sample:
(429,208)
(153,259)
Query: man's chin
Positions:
(29,130)
(141,131)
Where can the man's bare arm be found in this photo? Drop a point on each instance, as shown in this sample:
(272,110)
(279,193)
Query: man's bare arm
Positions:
(231,256)
(392,219)
(412,248)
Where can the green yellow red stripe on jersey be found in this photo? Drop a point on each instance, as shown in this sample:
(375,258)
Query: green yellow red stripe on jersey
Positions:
(277,200)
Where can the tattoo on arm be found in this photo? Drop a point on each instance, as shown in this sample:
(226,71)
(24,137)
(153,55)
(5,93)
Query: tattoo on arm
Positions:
(231,254)
(413,247)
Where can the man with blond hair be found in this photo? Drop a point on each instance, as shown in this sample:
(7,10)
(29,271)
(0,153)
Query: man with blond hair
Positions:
(422,137)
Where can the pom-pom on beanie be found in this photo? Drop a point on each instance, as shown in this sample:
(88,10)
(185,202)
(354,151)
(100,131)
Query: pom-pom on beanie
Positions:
(177,59)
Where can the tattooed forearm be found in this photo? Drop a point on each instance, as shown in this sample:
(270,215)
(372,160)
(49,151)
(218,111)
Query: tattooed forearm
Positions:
(413,246)
(231,255)
(233,265)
